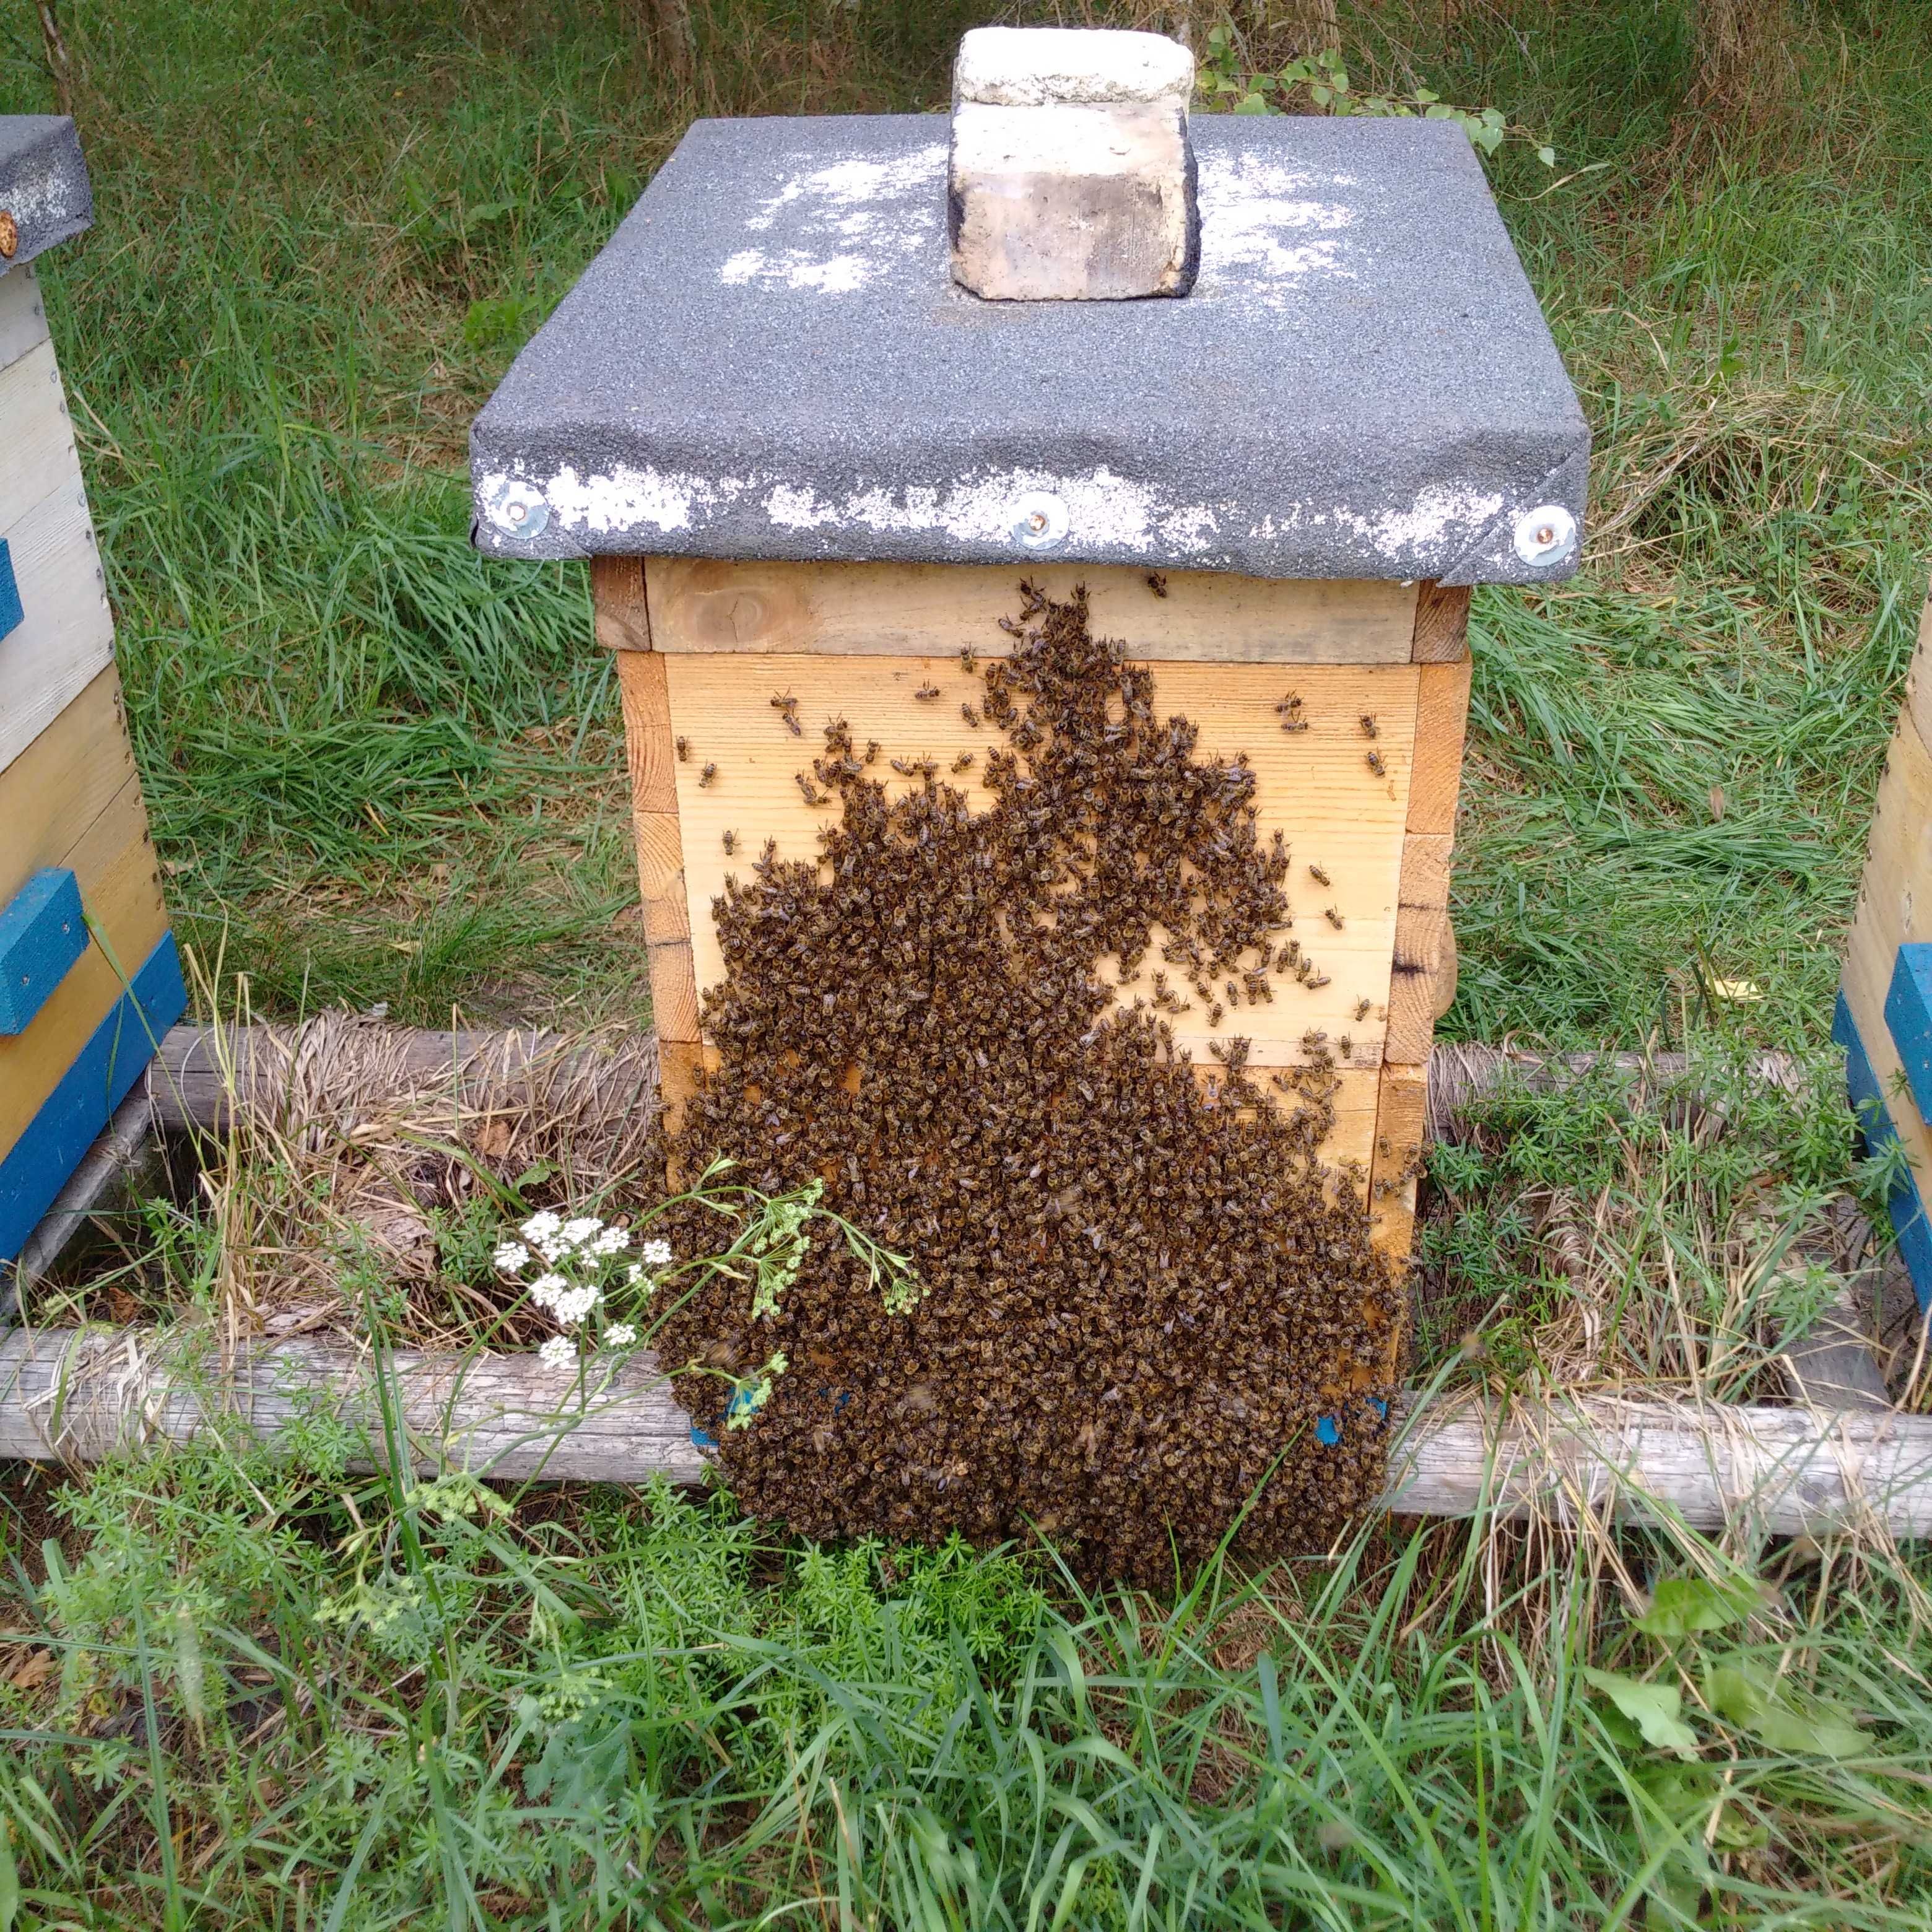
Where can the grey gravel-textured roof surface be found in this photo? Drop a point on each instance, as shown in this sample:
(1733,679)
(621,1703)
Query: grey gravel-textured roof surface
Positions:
(43,183)
(770,359)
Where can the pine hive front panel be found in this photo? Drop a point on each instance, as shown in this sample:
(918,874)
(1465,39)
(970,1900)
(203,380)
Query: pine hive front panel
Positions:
(1380,838)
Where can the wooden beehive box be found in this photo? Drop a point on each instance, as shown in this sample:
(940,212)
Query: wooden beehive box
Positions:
(88,974)
(1884,1018)
(803,460)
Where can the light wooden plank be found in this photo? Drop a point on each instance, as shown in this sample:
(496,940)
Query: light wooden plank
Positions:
(711,605)
(1441,634)
(1421,942)
(65,638)
(1315,785)
(1441,721)
(120,892)
(617,594)
(38,437)
(661,881)
(23,315)
(62,782)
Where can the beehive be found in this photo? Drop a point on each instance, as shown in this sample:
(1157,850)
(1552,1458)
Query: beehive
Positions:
(88,974)
(804,461)
(1884,1018)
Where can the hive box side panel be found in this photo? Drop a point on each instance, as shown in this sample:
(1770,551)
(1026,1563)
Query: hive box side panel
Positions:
(1895,908)
(1316,786)
(65,637)
(114,865)
(711,606)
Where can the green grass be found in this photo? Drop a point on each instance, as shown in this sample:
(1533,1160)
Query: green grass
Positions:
(255,1693)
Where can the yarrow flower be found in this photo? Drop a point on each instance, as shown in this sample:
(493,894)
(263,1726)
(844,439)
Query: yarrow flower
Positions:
(511,1256)
(656,1254)
(571,1307)
(620,1335)
(559,1352)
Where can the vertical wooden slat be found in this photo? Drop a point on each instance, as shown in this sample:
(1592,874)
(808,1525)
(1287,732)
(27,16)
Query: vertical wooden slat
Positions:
(1421,927)
(1441,719)
(617,586)
(1441,623)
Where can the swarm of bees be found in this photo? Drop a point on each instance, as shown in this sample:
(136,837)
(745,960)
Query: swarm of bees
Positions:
(1136,1288)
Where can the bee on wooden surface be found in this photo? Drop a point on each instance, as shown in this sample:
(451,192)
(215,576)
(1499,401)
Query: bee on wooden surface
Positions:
(808,790)
(1375,764)
(872,748)
(1362,1010)
(969,659)
(1318,982)
(964,763)
(683,750)
(786,706)
(1156,582)
(1333,917)
(1289,712)
(1368,727)
(706,776)
(926,693)
(1012,628)
(730,843)
(971,716)
(1320,876)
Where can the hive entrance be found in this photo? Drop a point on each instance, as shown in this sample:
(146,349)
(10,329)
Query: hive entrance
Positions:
(1145,1287)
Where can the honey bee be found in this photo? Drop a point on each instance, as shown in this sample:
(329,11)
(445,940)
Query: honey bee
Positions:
(1361,1009)
(709,772)
(730,843)
(1289,712)
(1156,582)
(971,716)
(926,693)
(969,659)
(1369,730)
(808,790)
(1375,764)
(683,750)
(787,707)
(1317,874)
(964,763)
(1333,917)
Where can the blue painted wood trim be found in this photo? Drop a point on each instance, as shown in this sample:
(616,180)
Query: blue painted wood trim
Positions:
(1874,1116)
(79,1108)
(1908,1014)
(42,934)
(10,612)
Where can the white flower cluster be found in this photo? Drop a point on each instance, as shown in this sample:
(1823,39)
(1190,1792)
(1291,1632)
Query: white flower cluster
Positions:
(574,1253)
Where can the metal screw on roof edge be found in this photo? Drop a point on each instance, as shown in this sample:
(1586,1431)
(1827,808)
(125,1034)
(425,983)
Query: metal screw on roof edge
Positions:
(1039,521)
(1546,535)
(517,508)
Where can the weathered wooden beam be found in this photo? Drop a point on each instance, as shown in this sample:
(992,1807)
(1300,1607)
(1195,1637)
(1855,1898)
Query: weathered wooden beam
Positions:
(74,1396)
(78,1395)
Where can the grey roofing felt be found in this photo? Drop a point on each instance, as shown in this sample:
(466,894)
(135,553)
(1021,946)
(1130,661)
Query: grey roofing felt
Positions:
(770,359)
(42,182)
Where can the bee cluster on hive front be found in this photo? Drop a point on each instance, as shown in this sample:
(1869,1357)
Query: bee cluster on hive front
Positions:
(1136,1292)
